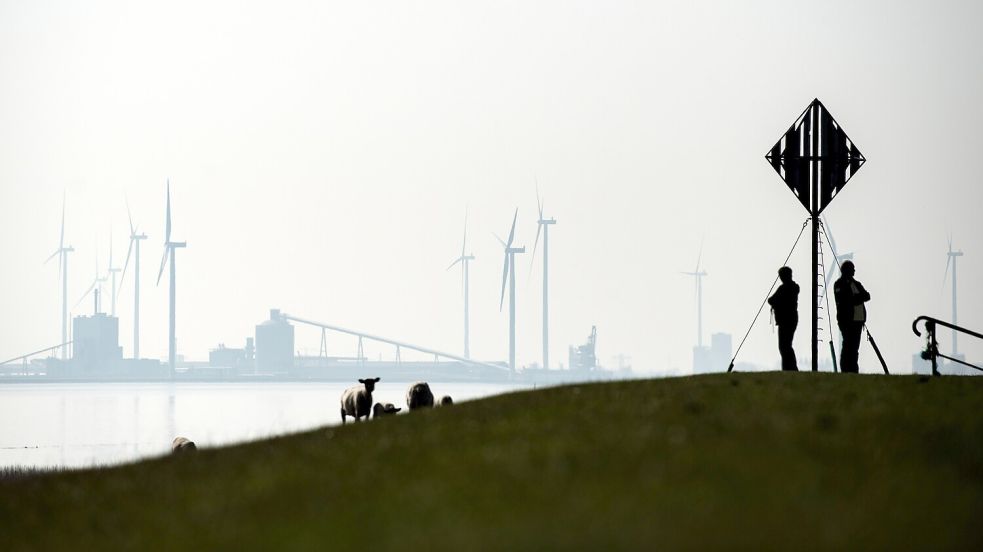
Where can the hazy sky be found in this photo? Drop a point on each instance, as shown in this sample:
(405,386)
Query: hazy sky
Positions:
(322,155)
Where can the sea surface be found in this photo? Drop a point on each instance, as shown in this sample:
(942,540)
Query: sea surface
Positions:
(94,424)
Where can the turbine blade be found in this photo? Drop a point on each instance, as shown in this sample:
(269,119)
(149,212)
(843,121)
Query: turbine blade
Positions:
(700,256)
(505,276)
(167,231)
(499,239)
(512,231)
(457,260)
(532,260)
(829,233)
(52,256)
(163,263)
(126,263)
(539,202)
(86,294)
(129,216)
(948,260)
(464,242)
(61,240)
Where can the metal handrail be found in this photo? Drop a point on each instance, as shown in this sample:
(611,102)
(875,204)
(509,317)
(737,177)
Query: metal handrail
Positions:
(932,352)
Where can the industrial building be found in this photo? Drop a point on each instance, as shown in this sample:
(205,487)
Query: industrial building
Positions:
(714,358)
(275,345)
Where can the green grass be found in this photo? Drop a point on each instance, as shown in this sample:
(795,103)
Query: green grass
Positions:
(752,461)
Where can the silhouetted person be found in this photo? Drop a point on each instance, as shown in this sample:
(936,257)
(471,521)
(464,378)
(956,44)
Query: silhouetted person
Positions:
(851,315)
(785,304)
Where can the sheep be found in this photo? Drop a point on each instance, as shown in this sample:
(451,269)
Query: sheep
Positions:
(388,409)
(446,400)
(183,445)
(357,401)
(419,396)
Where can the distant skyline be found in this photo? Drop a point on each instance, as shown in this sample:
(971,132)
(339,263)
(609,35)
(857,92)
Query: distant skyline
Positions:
(322,156)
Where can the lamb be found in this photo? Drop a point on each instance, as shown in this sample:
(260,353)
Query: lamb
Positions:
(183,445)
(419,396)
(446,400)
(388,409)
(357,401)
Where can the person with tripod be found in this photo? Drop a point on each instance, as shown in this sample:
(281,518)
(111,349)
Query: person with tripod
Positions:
(785,305)
(851,315)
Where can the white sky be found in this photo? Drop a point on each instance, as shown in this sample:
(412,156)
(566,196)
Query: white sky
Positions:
(321,157)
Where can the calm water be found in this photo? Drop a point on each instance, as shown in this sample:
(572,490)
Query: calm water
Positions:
(86,424)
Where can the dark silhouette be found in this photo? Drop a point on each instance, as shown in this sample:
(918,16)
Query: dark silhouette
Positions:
(851,315)
(419,396)
(785,304)
(388,409)
(357,401)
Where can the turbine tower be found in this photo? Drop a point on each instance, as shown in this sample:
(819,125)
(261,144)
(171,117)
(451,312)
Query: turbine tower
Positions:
(952,257)
(135,240)
(62,254)
(464,260)
(836,255)
(698,273)
(112,274)
(543,225)
(169,248)
(508,276)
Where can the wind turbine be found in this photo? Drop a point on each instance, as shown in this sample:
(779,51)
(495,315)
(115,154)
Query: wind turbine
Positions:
(95,285)
(62,254)
(543,225)
(952,257)
(135,240)
(839,258)
(464,260)
(698,273)
(508,276)
(169,248)
(112,273)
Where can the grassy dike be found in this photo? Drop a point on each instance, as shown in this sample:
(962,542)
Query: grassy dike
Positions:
(761,461)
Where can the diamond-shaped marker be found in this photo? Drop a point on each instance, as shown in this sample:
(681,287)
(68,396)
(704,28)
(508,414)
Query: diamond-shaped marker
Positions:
(837,157)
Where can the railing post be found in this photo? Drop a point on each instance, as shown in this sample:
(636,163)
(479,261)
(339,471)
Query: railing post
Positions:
(933,346)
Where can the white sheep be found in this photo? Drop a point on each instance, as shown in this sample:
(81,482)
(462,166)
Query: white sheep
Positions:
(388,409)
(419,396)
(182,445)
(357,401)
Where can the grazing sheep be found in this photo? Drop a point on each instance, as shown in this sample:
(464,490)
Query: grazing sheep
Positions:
(357,401)
(182,445)
(446,400)
(388,409)
(419,396)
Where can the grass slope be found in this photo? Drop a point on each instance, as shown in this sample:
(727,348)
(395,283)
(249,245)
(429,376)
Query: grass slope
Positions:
(770,461)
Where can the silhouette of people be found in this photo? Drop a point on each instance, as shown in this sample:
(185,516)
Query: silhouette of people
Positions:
(851,315)
(785,305)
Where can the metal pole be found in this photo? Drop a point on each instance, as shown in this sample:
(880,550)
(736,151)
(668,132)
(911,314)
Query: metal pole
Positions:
(699,310)
(113,303)
(955,320)
(467,322)
(136,303)
(512,312)
(814,345)
(64,304)
(546,302)
(172,344)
